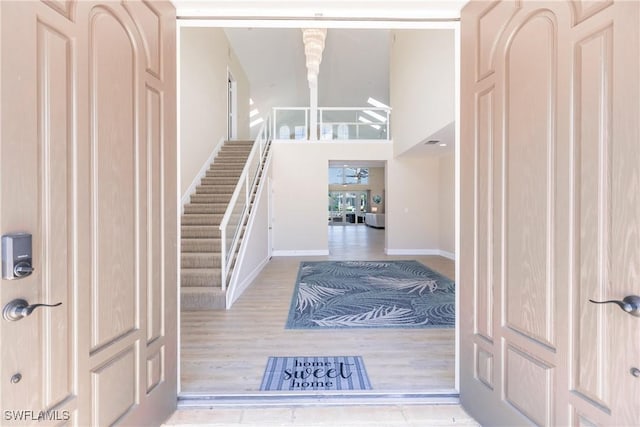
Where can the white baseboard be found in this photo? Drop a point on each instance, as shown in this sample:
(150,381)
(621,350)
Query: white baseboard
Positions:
(242,286)
(318,252)
(412,252)
(201,173)
(449,255)
(428,252)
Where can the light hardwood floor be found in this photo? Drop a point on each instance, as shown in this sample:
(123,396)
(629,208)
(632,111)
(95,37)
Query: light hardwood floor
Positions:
(225,352)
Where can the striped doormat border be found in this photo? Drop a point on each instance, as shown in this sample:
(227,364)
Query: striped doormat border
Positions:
(304,373)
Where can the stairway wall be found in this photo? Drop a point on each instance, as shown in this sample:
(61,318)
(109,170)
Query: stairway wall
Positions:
(205,57)
(256,249)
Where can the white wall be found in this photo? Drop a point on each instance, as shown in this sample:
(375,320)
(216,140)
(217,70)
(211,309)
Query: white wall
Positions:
(412,216)
(422,79)
(205,57)
(447,204)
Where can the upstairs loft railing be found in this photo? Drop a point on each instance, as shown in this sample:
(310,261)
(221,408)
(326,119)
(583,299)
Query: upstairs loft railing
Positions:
(334,123)
(234,217)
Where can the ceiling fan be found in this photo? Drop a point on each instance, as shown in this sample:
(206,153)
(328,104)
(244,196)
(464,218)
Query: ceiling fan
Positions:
(358,173)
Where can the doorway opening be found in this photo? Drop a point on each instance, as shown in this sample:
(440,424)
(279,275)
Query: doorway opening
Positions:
(241,339)
(232,107)
(355,193)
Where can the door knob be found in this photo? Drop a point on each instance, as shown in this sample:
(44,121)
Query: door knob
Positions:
(19,308)
(630,304)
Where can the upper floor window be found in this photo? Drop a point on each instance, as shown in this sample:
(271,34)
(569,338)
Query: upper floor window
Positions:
(346,175)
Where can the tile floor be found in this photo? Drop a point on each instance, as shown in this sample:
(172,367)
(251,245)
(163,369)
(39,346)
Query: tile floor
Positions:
(326,416)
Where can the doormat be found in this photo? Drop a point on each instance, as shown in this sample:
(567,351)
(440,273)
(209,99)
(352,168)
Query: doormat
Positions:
(371,294)
(315,374)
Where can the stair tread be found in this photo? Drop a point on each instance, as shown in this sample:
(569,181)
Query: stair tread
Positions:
(187,289)
(219,204)
(199,245)
(202,254)
(200,271)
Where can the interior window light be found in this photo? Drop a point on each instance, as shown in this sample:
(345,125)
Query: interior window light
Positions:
(356,175)
(348,175)
(326,131)
(365,120)
(285,132)
(375,115)
(377,103)
(253,112)
(256,122)
(335,175)
(300,132)
(343,131)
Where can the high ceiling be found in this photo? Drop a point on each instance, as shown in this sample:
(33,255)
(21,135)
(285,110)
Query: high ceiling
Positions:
(355,66)
(266,37)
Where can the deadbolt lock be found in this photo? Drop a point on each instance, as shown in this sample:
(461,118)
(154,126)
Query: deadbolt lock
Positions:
(16,256)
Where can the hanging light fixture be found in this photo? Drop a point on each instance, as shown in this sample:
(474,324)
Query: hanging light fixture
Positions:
(313,39)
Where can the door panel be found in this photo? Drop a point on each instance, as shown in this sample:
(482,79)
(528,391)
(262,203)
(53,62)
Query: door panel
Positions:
(114,198)
(550,212)
(483,301)
(156,302)
(529,71)
(592,101)
(87,154)
(55,161)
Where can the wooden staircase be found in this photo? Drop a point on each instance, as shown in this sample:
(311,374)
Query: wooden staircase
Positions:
(201,287)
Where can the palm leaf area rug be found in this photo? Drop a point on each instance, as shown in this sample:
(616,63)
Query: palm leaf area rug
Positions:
(371,294)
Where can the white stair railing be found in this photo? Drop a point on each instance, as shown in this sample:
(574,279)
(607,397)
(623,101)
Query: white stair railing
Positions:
(233,219)
(334,123)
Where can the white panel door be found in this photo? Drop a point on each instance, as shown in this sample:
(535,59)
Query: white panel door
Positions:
(550,212)
(87,166)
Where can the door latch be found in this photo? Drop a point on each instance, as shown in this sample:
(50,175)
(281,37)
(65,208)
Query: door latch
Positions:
(19,308)
(630,304)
